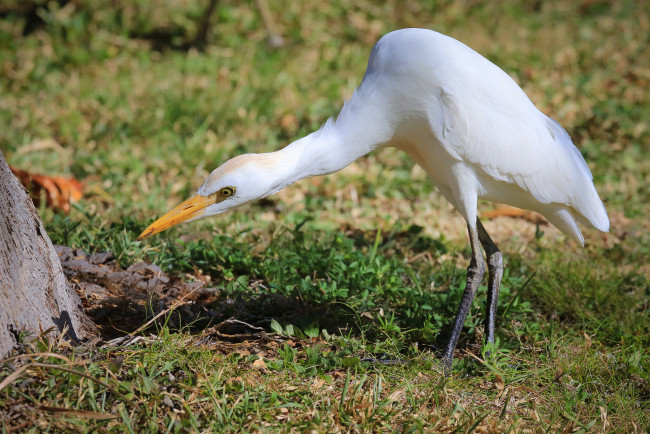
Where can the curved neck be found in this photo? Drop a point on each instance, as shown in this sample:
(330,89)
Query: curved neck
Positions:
(320,153)
(358,130)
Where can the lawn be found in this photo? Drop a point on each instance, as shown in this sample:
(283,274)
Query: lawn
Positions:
(325,306)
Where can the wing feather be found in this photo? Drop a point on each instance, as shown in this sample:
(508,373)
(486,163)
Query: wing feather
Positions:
(519,145)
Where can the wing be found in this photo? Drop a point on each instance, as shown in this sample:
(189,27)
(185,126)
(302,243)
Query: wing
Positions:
(497,130)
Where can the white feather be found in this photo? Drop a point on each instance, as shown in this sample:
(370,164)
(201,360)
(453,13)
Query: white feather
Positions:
(460,117)
(471,127)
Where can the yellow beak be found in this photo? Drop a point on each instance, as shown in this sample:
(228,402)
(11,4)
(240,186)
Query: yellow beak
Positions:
(192,207)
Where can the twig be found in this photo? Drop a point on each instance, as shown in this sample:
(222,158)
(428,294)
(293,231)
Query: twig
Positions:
(386,362)
(236,321)
(275,39)
(14,375)
(55,355)
(163,312)
(78,413)
(258,331)
(202,34)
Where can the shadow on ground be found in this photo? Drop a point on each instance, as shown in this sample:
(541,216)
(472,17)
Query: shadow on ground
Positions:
(143,298)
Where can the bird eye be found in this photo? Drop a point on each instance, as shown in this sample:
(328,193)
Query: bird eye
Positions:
(227,191)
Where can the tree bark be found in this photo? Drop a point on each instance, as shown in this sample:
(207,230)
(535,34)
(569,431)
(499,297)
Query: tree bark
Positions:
(34,293)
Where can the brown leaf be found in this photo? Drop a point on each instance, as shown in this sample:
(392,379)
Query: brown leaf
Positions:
(259,364)
(232,380)
(318,383)
(59,192)
(511,211)
(498,382)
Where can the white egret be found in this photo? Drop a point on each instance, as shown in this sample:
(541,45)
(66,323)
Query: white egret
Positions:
(462,119)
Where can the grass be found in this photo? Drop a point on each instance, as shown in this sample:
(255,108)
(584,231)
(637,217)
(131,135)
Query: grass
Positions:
(364,265)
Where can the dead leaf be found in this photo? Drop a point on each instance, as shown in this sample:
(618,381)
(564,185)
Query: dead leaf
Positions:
(587,339)
(603,417)
(511,211)
(289,122)
(498,382)
(259,364)
(59,192)
(232,380)
(396,395)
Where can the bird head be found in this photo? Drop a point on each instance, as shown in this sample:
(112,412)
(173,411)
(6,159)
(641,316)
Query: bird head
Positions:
(231,185)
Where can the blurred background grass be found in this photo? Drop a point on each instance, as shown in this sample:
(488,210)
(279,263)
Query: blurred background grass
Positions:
(116,94)
(101,91)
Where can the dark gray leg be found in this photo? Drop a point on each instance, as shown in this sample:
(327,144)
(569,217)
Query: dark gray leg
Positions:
(495,270)
(475,273)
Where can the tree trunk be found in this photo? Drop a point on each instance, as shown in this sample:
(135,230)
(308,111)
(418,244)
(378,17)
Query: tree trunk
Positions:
(34,293)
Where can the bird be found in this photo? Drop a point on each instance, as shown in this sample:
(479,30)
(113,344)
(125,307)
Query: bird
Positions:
(461,118)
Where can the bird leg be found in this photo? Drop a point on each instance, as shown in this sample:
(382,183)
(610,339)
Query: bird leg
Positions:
(495,270)
(475,273)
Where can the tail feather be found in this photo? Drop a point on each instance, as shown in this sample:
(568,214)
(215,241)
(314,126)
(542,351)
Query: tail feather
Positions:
(589,209)
(592,209)
(564,220)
